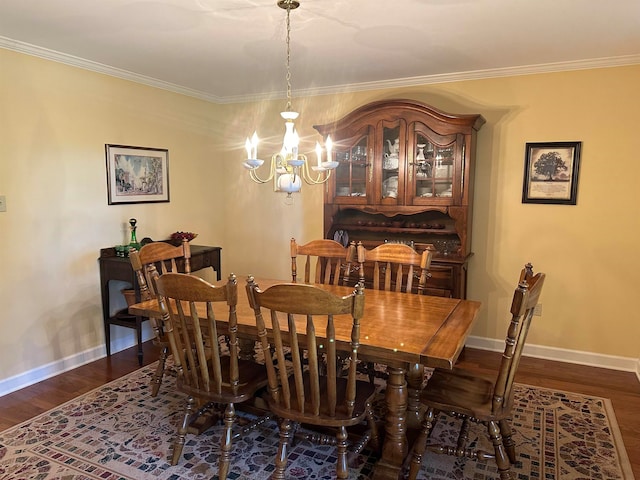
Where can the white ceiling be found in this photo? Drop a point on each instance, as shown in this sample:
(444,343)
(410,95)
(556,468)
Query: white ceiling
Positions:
(232,50)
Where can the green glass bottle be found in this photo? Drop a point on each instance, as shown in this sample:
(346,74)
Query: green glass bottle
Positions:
(134,240)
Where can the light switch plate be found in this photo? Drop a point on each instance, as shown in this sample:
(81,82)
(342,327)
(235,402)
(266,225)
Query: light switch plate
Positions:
(3,203)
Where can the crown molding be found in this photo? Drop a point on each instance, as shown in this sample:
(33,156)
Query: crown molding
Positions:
(60,57)
(74,61)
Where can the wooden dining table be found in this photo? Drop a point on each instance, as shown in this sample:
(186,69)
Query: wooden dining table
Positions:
(402,331)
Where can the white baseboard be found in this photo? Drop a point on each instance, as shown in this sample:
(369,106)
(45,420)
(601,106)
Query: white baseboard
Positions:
(612,362)
(538,351)
(52,369)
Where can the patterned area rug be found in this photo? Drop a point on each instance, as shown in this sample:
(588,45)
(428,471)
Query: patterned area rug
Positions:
(119,431)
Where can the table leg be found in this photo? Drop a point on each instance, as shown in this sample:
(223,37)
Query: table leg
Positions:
(139,321)
(415,375)
(394,448)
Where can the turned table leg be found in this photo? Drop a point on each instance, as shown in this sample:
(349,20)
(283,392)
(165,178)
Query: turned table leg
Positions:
(394,449)
(415,375)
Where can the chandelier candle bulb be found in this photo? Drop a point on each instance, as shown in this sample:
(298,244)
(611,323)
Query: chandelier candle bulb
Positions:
(252,150)
(329,164)
(254,145)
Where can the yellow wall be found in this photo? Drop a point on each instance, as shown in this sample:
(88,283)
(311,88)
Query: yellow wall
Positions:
(586,250)
(56,119)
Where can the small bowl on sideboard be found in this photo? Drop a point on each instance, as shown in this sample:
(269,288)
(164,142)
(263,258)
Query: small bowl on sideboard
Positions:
(177,237)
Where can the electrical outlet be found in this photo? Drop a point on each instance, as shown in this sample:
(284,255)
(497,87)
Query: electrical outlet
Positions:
(3,203)
(537,310)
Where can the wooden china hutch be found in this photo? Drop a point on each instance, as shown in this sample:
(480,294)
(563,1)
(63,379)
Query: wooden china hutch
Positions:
(405,175)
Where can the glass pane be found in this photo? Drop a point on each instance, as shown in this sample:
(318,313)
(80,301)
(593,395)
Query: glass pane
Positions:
(390,162)
(351,173)
(443,170)
(359,168)
(424,167)
(342,173)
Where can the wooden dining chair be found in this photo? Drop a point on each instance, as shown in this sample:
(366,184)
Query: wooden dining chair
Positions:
(328,259)
(160,257)
(204,371)
(330,263)
(477,399)
(305,395)
(396,267)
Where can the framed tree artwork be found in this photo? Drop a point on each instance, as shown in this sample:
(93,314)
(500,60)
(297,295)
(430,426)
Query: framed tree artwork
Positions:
(137,174)
(551,173)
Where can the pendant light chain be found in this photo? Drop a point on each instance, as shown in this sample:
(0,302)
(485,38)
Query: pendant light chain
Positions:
(288,60)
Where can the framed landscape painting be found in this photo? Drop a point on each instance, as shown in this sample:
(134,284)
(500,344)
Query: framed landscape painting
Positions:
(137,174)
(551,172)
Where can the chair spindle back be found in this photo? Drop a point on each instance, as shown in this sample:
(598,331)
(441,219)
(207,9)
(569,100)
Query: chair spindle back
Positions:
(285,302)
(525,299)
(395,267)
(187,303)
(331,265)
(161,257)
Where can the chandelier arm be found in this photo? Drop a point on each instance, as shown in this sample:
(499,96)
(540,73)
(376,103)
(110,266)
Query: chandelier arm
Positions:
(320,178)
(254,175)
(278,160)
(255,178)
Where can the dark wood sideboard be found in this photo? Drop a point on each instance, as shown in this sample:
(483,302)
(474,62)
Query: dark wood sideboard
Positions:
(113,267)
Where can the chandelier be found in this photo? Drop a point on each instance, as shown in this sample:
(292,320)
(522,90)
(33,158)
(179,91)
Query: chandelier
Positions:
(289,167)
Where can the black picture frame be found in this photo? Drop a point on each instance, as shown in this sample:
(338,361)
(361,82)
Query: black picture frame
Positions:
(551,172)
(137,174)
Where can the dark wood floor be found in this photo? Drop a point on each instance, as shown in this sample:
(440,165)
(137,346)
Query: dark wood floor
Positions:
(622,388)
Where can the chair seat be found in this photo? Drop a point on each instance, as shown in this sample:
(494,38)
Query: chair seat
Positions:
(253,377)
(467,394)
(364,394)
